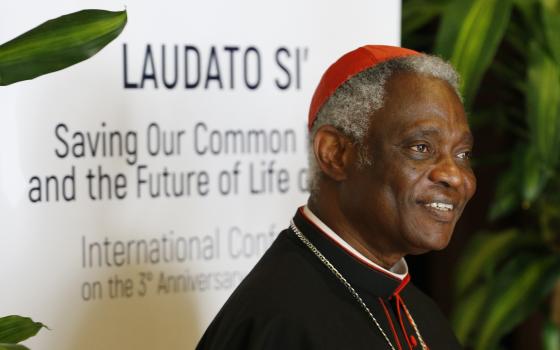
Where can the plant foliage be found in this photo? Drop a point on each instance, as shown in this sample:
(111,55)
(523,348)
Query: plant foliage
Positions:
(507,52)
(58,44)
(15,329)
(53,45)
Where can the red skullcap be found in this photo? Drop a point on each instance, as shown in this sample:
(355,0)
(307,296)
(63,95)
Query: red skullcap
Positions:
(349,65)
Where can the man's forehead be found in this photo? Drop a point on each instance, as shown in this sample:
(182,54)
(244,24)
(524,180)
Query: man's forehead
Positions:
(421,104)
(414,93)
(420,83)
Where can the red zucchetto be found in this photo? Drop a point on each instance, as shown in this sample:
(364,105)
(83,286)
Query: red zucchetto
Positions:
(346,67)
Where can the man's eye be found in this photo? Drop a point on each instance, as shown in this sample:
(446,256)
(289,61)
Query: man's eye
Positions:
(422,148)
(465,155)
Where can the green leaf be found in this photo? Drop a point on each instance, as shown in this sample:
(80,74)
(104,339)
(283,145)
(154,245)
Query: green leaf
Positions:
(520,185)
(417,13)
(506,198)
(550,336)
(543,106)
(469,36)
(534,178)
(58,43)
(483,252)
(549,219)
(551,26)
(13,347)
(467,313)
(14,329)
(532,22)
(516,291)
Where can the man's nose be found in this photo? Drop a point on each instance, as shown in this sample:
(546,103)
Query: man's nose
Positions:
(446,172)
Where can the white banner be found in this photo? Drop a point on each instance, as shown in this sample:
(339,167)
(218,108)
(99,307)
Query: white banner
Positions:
(139,187)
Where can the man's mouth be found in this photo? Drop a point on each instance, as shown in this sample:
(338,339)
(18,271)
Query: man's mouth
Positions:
(439,206)
(442,210)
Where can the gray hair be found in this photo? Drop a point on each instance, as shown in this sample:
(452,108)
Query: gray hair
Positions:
(351,105)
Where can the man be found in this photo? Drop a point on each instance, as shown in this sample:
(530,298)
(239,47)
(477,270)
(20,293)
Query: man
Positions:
(390,176)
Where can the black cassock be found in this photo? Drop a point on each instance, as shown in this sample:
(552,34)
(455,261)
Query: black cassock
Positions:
(292,301)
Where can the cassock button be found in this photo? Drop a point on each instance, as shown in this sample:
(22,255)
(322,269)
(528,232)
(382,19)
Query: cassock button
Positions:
(413,341)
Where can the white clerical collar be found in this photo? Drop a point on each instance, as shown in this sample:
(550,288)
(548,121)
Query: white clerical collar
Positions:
(399,270)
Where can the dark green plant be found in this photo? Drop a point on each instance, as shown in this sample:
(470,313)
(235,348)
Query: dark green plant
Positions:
(508,54)
(52,46)
(15,329)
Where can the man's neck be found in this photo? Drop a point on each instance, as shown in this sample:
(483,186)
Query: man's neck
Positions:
(381,255)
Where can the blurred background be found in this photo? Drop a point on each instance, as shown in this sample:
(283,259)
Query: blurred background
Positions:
(497,280)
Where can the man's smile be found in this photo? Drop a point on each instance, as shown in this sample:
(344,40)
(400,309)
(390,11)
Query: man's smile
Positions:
(442,210)
(440,206)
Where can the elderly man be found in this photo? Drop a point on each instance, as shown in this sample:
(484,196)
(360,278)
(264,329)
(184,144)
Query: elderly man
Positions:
(390,176)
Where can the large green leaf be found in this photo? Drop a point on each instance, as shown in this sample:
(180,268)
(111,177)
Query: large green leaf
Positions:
(482,254)
(469,36)
(521,184)
(13,347)
(543,106)
(507,194)
(467,313)
(14,329)
(533,176)
(550,336)
(551,26)
(58,43)
(517,290)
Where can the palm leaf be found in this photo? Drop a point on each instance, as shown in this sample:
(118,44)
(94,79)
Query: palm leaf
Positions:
(551,27)
(520,185)
(533,176)
(543,106)
(15,329)
(516,291)
(58,43)
(13,347)
(469,36)
(467,313)
(507,194)
(482,254)
(551,336)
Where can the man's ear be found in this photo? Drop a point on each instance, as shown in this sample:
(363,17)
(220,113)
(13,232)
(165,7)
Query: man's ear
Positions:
(334,152)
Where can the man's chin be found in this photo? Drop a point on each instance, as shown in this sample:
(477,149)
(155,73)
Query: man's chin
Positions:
(431,240)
